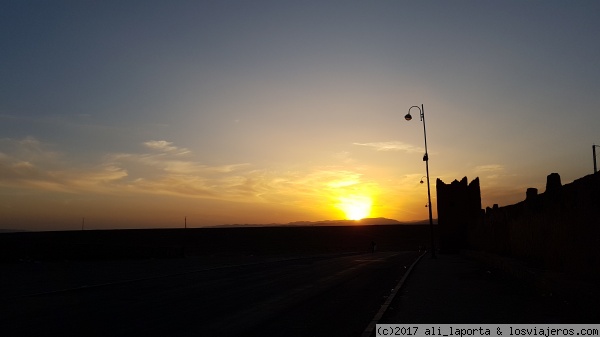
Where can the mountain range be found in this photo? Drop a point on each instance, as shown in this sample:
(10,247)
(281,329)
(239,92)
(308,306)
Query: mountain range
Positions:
(362,222)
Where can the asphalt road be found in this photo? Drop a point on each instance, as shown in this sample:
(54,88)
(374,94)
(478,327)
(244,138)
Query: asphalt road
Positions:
(333,295)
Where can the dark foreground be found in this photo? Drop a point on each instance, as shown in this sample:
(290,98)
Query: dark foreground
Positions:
(459,289)
(325,295)
(176,243)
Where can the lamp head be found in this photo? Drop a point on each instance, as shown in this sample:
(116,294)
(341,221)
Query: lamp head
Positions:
(408,117)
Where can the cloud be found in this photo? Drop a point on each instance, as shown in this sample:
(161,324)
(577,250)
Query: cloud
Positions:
(164,146)
(392,146)
(165,171)
(344,157)
(28,163)
(27,149)
(322,184)
(494,175)
(489,168)
(159,169)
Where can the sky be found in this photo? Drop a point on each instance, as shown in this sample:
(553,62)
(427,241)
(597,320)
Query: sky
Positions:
(144,114)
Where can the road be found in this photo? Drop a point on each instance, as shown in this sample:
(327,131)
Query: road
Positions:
(330,295)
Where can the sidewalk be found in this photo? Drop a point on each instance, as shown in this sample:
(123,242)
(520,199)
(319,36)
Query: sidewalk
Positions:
(456,289)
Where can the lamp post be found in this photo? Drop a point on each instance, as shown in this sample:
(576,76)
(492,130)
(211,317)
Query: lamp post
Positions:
(408,117)
(594,153)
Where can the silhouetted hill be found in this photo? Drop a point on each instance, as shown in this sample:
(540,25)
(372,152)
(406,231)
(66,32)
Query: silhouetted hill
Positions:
(8,230)
(362,222)
(365,221)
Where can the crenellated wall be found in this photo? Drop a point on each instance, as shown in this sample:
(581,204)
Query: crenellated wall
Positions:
(557,230)
(458,205)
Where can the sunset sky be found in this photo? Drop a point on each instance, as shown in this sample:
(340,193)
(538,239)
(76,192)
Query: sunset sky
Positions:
(140,113)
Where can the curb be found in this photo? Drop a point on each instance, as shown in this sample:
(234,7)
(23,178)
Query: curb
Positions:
(371,327)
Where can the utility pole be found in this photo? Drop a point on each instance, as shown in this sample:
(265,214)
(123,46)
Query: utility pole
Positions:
(594,153)
(185,222)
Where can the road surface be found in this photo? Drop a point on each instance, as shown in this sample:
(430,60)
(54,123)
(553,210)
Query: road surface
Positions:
(332,295)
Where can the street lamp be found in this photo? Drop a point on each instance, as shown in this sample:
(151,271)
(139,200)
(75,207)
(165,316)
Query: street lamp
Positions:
(408,117)
(594,153)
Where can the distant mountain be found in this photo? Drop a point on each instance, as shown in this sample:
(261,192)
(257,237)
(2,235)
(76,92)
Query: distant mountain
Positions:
(365,221)
(8,230)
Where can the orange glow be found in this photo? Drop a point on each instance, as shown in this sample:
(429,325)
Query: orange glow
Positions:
(355,207)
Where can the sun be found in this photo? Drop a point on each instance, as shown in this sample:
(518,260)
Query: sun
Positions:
(355,207)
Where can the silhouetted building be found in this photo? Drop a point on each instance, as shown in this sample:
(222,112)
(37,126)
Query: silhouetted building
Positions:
(531,193)
(557,230)
(553,183)
(459,210)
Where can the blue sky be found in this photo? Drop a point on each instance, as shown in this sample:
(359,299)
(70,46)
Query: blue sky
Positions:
(138,113)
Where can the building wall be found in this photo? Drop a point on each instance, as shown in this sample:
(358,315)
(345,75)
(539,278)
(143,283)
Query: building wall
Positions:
(458,205)
(557,230)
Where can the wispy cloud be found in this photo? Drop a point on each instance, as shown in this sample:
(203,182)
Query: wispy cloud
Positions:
(493,174)
(344,157)
(164,146)
(28,163)
(161,169)
(489,168)
(391,146)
